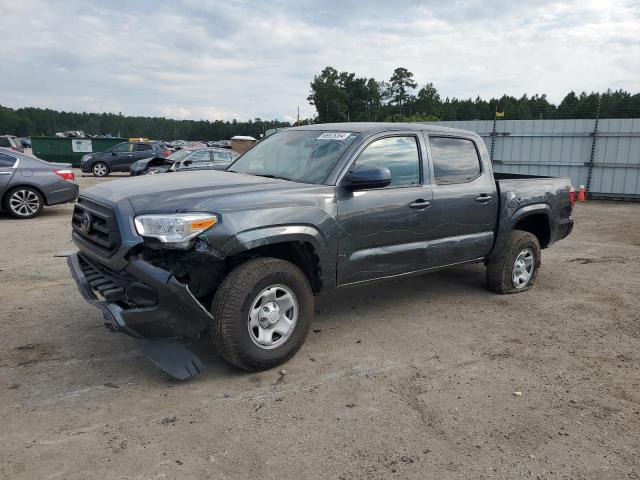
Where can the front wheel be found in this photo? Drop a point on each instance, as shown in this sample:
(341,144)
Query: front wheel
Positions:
(100,169)
(514,266)
(261,313)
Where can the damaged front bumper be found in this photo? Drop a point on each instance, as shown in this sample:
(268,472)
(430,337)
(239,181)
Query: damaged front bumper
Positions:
(145,302)
(142,301)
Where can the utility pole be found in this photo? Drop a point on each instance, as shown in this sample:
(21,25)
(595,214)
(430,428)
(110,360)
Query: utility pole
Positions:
(298,119)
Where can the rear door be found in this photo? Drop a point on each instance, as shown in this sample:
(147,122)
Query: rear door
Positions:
(383,230)
(7,169)
(143,150)
(465,205)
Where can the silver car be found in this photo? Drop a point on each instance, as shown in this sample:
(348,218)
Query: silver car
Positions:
(27,184)
(11,142)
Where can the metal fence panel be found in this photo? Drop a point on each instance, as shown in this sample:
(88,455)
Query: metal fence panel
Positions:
(566,148)
(617,157)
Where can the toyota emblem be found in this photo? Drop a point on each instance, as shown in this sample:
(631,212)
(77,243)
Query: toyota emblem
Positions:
(85,222)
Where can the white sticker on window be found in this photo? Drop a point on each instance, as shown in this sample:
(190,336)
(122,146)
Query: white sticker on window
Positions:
(334,136)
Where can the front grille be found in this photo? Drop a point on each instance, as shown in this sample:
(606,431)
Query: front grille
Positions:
(96,224)
(108,284)
(117,287)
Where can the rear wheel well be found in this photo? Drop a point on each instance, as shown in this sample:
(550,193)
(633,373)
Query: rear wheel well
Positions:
(538,225)
(301,254)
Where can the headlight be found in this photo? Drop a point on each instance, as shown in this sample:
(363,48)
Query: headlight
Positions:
(85,158)
(175,229)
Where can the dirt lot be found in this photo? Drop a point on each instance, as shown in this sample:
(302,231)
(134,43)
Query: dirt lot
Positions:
(408,379)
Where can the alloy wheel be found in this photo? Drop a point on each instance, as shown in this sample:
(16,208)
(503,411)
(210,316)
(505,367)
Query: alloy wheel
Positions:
(24,202)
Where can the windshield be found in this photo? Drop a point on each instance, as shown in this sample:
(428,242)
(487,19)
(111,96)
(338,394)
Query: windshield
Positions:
(306,156)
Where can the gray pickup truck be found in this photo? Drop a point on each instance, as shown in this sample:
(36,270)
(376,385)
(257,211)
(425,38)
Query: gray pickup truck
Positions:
(239,254)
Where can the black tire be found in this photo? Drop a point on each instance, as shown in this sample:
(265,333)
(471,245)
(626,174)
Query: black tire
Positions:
(233,300)
(100,169)
(501,265)
(33,207)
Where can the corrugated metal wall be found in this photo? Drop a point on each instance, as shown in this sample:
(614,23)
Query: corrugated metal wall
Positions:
(567,148)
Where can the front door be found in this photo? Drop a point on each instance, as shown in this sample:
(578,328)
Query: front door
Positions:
(383,230)
(122,157)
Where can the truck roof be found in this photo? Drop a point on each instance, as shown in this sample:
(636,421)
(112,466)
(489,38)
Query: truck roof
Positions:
(375,127)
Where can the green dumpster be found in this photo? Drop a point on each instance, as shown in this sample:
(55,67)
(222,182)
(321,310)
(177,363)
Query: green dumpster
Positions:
(70,150)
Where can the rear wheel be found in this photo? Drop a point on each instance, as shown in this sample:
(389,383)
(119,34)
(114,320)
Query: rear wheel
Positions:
(100,169)
(514,265)
(24,202)
(261,313)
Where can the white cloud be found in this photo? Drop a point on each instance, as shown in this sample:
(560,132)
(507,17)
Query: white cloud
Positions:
(242,60)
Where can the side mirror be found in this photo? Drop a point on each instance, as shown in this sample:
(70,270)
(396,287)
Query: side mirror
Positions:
(366,176)
(186,163)
(113,152)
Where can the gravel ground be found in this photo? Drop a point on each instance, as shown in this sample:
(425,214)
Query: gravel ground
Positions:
(415,378)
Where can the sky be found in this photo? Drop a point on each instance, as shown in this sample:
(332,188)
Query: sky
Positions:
(198,59)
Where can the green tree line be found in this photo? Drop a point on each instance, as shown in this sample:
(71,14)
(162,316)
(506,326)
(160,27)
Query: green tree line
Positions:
(344,96)
(337,97)
(37,121)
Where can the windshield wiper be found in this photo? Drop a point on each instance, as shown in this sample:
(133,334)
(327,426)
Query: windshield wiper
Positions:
(268,175)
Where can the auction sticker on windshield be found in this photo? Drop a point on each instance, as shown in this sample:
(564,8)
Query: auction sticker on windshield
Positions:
(334,136)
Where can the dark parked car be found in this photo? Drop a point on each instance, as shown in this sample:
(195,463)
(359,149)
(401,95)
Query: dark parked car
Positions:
(27,184)
(119,157)
(12,142)
(241,253)
(183,160)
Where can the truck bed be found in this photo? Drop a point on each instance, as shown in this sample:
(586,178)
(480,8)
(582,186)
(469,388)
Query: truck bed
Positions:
(519,193)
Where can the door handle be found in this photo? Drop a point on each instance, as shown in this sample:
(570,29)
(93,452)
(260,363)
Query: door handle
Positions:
(484,198)
(420,204)
(5,173)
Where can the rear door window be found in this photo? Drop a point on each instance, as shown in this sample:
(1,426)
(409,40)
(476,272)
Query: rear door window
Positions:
(200,157)
(455,160)
(143,147)
(6,160)
(222,156)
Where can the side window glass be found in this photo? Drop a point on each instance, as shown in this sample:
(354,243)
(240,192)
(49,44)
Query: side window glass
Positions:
(200,156)
(6,160)
(123,147)
(455,160)
(221,156)
(143,147)
(399,155)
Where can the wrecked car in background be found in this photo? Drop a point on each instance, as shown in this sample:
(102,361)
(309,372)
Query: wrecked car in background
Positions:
(183,160)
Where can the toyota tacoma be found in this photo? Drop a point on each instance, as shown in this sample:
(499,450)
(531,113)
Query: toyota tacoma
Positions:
(238,255)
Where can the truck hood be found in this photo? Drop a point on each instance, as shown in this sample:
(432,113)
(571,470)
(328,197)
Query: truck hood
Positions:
(204,191)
